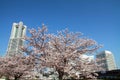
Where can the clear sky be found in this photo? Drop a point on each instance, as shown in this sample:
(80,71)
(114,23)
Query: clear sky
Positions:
(97,19)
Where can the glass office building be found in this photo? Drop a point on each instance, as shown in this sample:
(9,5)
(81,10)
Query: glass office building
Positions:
(106,60)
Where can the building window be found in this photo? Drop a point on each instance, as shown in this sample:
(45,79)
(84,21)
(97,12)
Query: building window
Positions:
(22,32)
(16,32)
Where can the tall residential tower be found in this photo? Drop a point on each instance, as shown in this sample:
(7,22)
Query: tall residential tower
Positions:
(106,60)
(16,39)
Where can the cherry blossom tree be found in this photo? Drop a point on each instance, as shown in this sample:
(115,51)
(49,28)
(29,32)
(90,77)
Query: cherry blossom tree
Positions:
(62,52)
(16,66)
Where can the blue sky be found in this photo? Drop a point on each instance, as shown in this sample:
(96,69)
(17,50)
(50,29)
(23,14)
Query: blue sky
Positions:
(97,19)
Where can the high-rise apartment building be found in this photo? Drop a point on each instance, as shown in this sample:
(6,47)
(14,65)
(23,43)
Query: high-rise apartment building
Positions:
(106,60)
(16,39)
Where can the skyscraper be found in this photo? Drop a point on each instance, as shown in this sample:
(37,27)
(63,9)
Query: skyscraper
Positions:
(106,60)
(16,39)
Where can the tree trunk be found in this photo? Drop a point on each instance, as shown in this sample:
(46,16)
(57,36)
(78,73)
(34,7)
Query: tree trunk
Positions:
(16,78)
(60,75)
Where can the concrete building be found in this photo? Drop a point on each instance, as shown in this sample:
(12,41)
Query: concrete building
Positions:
(16,39)
(106,60)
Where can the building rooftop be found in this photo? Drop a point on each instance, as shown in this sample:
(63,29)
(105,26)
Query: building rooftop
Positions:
(104,52)
(108,52)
